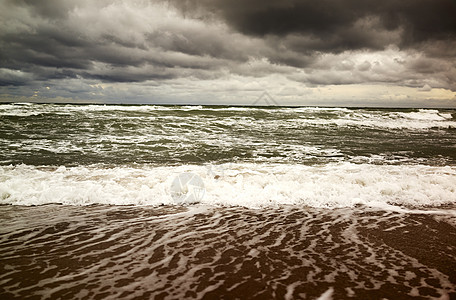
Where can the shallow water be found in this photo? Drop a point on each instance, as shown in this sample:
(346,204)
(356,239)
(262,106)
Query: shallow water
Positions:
(205,252)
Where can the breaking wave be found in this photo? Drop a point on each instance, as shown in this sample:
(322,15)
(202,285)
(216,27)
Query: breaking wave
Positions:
(248,185)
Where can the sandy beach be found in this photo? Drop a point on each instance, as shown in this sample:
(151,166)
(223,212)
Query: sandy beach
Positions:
(201,252)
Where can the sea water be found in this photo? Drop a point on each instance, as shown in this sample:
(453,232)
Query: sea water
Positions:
(298,202)
(252,157)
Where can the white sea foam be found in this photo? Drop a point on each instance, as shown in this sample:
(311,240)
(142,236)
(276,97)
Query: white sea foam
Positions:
(17,109)
(426,114)
(250,185)
(423,119)
(419,119)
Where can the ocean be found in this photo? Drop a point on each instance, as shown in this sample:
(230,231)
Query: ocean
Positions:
(282,202)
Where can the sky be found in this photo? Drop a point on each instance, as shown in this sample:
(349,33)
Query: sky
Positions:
(385,53)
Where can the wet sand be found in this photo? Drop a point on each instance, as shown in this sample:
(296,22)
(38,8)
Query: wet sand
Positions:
(127,252)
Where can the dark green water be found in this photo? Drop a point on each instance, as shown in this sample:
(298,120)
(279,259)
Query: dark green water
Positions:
(73,135)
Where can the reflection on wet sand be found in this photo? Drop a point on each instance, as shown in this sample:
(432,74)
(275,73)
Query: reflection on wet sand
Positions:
(112,252)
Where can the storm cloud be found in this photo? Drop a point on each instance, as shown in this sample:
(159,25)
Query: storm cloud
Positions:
(78,49)
(345,25)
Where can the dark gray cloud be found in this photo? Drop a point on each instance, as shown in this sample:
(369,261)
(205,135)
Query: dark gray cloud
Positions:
(409,43)
(114,41)
(299,33)
(341,24)
(52,9)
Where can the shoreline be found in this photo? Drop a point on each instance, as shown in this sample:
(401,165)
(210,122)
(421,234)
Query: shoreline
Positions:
(206,252)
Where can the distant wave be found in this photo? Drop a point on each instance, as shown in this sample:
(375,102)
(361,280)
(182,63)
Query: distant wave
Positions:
(301,116)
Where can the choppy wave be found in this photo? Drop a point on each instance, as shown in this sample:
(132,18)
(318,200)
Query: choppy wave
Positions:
(90,134)
(376,118)
(249,185)
(414,119)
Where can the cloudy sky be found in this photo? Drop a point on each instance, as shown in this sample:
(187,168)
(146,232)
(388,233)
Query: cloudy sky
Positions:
(302,52)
